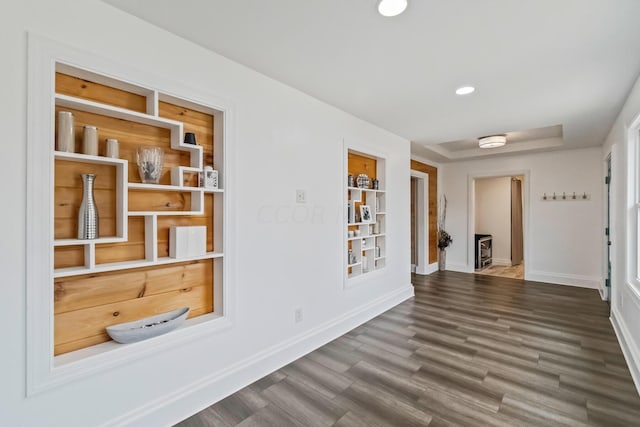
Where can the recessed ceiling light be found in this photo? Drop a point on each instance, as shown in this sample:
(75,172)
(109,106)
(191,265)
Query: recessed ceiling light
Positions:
(493,141)
(391,7)
(465,90)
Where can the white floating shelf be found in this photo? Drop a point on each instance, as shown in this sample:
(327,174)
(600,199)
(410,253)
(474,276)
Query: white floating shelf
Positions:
(160,187)
(379,258)
(163,213)
(368,249)
(381,213)
(353,265)
(100,268)
(85,158)
(77,242)
(365,189)
(116,112)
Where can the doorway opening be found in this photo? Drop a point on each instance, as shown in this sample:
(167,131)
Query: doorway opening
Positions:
(498,240)
(419,223)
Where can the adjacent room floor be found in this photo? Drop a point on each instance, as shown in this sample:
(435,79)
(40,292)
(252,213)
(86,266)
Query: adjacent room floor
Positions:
(511,271)
(467,350)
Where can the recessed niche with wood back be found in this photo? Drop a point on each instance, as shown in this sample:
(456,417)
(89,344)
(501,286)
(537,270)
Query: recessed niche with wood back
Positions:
(366,241)
(126,273)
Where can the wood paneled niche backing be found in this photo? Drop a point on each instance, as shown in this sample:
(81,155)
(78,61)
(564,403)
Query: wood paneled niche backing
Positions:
(85,304)
(433,207)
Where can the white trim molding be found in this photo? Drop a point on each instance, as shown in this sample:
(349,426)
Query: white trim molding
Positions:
(422,221)
(590,282)
(629,348)
(471,215)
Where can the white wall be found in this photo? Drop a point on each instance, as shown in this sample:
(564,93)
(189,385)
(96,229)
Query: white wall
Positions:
(493,215)
(625,301)
(563,242)
(285,140)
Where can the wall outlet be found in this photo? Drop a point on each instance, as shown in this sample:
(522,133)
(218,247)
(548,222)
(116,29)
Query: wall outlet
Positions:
(301,196)
(297,315)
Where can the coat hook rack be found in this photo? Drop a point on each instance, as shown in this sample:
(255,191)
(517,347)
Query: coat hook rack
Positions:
(572,196)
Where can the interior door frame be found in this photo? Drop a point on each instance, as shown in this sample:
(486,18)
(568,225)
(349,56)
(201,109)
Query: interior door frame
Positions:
(422,222)
(471,214)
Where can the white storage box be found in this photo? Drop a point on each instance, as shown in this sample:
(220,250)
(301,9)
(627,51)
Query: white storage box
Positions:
(185,242)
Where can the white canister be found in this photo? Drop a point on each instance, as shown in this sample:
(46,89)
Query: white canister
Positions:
(209,178)
(66,132)
(113,148)
(90,140)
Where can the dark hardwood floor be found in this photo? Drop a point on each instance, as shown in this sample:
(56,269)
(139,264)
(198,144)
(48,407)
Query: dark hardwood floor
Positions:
(468,350)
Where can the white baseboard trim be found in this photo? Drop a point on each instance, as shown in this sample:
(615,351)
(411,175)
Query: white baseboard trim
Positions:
(590,282)
(500,261)
(174,407)
(630,348)
(604,293)
(430,268)
(461,268)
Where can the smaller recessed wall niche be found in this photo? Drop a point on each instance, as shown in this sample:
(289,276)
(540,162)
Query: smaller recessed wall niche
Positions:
(126,273)
(365,225)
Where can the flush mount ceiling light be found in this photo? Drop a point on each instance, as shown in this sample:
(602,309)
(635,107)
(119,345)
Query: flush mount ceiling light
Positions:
(391,7)
(465,90)
(492,141)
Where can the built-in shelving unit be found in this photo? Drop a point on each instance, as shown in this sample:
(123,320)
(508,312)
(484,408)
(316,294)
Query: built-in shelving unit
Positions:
(365,239)
(126,273)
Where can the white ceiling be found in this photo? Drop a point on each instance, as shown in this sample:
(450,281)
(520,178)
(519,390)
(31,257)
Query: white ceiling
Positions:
(535,63)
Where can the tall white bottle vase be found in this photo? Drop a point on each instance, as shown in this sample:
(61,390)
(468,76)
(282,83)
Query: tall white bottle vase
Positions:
(88,213)
(90,140)
(66,132)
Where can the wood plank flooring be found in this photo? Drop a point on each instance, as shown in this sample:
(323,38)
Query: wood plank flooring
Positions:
(468,350)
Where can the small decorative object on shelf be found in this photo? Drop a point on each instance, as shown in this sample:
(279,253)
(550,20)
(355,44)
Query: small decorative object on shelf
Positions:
(350,233)
(113,148)
(150,160)
(187,241)
(371,227)
(90,140)
(377,251)
(351,213)
(365,214)
(376,228)
(357,233)
(66,132)
(351,181)
(190,138)
(363,180)
(88,214)
(376,184)
(148,327)
(352,257)
(209,178)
